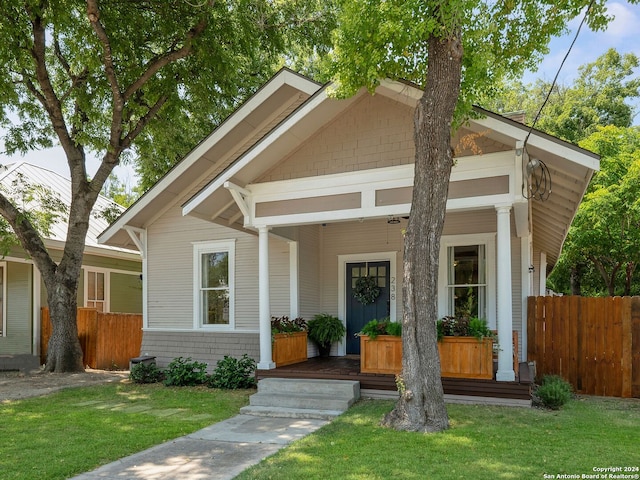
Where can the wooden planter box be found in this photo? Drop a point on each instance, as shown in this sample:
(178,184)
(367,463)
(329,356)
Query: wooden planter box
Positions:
(289,348)
(466,357)
(381,355)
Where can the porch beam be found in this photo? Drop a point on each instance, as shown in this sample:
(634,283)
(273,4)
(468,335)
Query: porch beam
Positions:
(266,359)
(505,371)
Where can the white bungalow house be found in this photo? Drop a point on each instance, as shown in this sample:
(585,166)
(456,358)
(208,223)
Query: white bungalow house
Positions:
(109,282)
(297,194)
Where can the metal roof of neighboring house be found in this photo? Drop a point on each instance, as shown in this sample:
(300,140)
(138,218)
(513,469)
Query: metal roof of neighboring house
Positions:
(61,186)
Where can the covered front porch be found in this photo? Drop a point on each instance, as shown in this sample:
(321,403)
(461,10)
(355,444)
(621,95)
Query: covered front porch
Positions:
(517,393)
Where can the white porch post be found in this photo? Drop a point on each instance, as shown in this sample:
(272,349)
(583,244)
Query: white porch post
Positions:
(266,361)
(294,291)
(505,318)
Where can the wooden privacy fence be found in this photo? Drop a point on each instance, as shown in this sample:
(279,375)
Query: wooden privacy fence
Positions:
(108,340)
(593,343)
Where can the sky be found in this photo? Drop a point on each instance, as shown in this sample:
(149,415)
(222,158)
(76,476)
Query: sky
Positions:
(623,34)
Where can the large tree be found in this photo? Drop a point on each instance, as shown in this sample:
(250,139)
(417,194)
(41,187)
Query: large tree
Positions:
(456,51)
(93,77)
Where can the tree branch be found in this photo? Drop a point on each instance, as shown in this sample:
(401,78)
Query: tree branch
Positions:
(157,63)
(51,103)
(27,235)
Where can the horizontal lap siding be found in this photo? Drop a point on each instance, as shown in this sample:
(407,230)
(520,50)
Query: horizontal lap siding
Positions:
(309,270)
(125,293)
(170,271)
(18,339)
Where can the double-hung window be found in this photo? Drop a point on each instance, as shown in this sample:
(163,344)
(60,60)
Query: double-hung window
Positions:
(213,284)
(95,290)
(466,279)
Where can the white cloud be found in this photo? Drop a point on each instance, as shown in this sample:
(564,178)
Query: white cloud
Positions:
(626,22)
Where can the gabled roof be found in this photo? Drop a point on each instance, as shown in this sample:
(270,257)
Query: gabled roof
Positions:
(286,112)
(245,127)
(61,187)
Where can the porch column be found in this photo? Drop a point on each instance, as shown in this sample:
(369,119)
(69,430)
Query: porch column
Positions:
(266,362)
(505,318)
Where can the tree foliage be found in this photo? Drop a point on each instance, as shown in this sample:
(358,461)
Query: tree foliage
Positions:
(600,96)
(606,231)
(111,78)
(459,48)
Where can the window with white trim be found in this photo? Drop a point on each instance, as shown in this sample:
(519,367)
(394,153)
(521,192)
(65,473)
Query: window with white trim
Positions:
(96,290)
(467,281)
(213,284)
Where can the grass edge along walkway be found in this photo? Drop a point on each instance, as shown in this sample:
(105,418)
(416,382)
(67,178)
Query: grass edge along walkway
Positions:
(484,442)
(76,430)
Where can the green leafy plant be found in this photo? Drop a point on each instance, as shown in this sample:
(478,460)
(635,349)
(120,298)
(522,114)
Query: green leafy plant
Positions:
(185,372)
(554,391)
(233,373)
(380,327)
(285,325)
(145,373)
(463,327)
(324,329)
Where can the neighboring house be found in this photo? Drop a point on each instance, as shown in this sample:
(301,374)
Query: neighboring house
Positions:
(110,280)
(297,194)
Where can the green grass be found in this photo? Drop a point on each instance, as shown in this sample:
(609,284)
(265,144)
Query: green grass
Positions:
(76,430)
(483,443)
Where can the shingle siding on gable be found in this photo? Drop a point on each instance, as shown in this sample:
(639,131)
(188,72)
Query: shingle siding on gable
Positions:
(375,132)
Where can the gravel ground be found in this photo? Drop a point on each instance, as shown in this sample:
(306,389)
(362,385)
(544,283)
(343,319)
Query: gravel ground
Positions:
(18,385)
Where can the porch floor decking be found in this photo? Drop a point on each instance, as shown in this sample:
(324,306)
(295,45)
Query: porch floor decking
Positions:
(348,368)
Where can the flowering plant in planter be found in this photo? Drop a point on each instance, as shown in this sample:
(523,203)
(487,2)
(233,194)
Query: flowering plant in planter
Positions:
(289,339)
(285,325)
(463,327)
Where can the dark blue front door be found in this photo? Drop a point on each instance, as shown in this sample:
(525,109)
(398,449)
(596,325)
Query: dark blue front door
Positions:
(358,313)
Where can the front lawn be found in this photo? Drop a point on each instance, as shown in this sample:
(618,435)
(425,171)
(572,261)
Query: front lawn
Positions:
(483,443)
(76,430)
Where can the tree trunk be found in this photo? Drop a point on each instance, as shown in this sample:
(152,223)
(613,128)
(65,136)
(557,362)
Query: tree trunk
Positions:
(628,280)
(421,405)
(64,353)
(575,279)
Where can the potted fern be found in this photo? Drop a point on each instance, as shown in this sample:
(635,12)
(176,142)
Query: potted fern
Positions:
(324,330)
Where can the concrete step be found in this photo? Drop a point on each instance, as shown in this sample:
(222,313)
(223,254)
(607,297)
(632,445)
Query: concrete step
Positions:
(259,411)
(300,400)
(340,388)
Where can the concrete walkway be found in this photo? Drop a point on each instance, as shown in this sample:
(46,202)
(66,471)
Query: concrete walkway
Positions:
(220,451)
